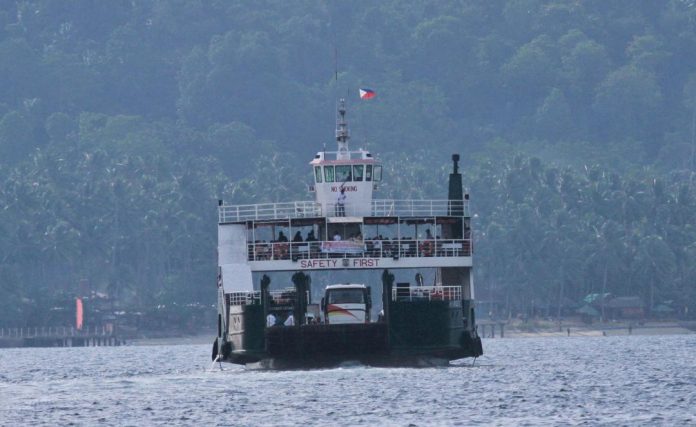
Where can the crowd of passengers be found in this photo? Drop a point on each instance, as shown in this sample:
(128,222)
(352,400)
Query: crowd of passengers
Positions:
(377,246)
(282,238)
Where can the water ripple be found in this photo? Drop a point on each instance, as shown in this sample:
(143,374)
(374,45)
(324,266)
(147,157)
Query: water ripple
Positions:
(558,381)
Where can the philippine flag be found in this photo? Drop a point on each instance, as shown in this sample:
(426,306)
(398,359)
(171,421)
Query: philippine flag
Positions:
(367,93)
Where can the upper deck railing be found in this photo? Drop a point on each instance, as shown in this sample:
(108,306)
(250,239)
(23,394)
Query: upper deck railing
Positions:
(277,298)
(427,293)
(243,297)
(332,156)
(308,209)
(403,248)
(268,211)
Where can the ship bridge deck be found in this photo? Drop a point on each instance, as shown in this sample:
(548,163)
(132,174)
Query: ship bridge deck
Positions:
(311,209)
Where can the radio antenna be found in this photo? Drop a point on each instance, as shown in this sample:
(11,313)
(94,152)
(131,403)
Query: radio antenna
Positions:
(335,59)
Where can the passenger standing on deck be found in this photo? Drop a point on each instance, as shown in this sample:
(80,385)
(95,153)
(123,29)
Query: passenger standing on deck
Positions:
(290,321)
(336,237)
(313,247)
(297,238)
(282,237)
(270,320)
(377,247)
(341,203)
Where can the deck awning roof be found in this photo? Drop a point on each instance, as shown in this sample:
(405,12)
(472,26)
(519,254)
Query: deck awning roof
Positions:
(344,219)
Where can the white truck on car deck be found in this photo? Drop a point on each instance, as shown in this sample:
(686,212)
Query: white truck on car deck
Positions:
(350,303)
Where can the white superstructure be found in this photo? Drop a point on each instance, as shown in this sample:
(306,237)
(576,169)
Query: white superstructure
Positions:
(417,255)
(355,231)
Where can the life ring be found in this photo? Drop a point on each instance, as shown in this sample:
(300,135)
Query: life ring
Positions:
(426,248)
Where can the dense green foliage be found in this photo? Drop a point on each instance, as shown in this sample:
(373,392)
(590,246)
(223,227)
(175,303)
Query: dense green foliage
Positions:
(122,123)
(550,234)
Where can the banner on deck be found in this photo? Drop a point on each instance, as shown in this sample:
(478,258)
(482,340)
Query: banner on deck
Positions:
(342,247)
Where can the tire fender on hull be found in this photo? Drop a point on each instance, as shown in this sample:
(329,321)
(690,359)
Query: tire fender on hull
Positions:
(471,343)
(226,350)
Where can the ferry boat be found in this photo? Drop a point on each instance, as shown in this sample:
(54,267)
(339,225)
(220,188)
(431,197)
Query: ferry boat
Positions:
(412,258)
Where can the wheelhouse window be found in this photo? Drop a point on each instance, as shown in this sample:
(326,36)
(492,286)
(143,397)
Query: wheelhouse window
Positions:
(368,172)
(358,173)
(317,173)
(329,173)
(343,173)
(346,296)
(378,173)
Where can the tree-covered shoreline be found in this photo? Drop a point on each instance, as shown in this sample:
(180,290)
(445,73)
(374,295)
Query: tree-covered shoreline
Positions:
(122,124)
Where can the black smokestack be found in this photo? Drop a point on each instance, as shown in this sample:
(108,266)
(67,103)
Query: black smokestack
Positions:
(456,197)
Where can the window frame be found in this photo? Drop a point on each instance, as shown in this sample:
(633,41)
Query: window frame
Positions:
(345,292)
(328,178)
(377,173)
(349,168)
(360,168)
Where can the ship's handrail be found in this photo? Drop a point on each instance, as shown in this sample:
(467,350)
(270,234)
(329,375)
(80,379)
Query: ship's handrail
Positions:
(268,211)
(284,297)
(351,154)
(305,209)
(243,297)
(403,248)
(279,297)
(427,293)
(393,207)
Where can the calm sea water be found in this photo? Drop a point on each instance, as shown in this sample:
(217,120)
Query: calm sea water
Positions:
(629,380)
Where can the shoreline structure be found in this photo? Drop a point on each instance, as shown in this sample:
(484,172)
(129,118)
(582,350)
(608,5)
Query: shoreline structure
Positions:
(545,328)
(517,329)
(513,329)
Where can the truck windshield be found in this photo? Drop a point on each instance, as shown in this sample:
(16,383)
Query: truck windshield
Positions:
(346,296)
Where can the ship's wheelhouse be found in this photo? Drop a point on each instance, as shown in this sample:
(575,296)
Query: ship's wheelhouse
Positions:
(347,173)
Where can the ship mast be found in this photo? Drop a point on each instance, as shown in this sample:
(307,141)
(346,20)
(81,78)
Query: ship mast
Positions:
(342,134)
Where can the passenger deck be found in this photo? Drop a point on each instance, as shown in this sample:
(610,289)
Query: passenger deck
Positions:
(373,248)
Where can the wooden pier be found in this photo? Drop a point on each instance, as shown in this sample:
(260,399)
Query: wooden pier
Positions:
(58,336)
(486,328)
